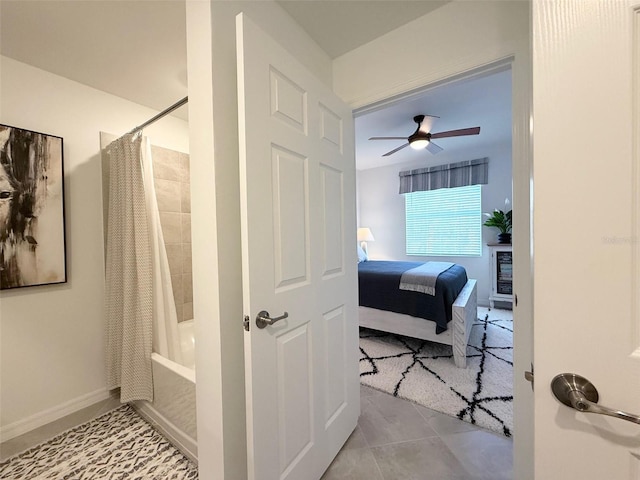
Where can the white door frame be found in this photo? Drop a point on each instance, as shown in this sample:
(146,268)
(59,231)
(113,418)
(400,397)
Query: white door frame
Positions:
(522,167)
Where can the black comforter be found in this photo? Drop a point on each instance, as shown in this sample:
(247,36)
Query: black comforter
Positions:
(379,283)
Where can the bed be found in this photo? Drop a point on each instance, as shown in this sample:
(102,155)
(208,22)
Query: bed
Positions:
(445,317)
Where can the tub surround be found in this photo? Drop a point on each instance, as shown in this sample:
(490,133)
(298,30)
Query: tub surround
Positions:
(173,410)
(171,173)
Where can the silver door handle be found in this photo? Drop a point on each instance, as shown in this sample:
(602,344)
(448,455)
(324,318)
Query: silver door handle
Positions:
(263,319)
(577,392)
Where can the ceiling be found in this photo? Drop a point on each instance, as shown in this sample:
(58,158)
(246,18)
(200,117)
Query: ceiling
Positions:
(132,49)
(353,23)
(136,49)
(483,102)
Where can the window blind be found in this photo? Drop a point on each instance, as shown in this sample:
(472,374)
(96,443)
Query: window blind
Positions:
(444,222)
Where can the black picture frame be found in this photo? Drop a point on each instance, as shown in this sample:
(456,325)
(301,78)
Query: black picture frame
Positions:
(32,210)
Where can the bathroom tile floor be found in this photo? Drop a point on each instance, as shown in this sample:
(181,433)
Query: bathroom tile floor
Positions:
(395,440)
(117,445)
(50,430)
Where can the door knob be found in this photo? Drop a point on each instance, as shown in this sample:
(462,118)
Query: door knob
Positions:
(577,392)
(263,319)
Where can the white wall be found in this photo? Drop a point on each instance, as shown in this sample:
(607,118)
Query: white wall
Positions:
(51,337)
(453,39)
(382,209)
(216,217)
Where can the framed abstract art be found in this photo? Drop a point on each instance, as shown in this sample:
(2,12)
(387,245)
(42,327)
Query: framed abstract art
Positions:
(32,229)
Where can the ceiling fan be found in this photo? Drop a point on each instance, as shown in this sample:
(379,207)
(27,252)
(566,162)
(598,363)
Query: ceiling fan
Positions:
(422,137)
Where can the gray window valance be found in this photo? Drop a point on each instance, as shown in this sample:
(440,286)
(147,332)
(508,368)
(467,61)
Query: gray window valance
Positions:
(460,174)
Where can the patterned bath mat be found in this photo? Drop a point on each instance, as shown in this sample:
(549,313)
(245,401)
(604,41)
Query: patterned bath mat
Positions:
(116,445)
(424,372)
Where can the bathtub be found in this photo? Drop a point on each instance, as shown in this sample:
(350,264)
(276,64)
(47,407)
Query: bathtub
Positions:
(173,410)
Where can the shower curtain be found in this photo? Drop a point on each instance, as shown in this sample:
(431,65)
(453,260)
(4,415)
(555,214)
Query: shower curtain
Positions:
(140,309)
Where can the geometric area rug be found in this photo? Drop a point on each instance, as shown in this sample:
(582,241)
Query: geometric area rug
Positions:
(116,445)
(425,373)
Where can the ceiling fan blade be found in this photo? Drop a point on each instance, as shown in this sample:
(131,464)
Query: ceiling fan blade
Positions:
(433,148)
(388,138)
(457,133)
(396,149)
(427,123)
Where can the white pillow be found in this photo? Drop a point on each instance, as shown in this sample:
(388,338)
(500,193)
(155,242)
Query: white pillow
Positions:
(362,256)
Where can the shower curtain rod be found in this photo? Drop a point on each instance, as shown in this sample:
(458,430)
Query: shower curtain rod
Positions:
(163,113)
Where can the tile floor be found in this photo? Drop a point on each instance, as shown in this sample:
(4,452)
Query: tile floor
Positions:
(394,440)
(398,440)
(47,432)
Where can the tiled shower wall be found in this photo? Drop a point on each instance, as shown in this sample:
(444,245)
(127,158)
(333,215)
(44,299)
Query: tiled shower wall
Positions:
(173,191)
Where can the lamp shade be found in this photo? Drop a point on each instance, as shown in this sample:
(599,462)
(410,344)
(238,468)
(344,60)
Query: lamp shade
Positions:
(365,235)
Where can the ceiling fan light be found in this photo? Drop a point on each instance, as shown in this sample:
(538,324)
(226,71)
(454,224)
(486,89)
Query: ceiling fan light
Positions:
(419,144)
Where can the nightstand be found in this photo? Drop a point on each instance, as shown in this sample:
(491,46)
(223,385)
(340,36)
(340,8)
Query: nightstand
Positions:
(501,273)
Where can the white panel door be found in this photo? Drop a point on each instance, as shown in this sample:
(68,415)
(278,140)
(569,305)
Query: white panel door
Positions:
(586,232)
(298,218)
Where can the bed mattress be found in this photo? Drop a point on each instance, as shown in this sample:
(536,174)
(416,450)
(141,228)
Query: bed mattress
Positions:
(379,282)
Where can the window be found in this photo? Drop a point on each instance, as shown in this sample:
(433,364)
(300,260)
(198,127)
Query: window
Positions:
(444,222)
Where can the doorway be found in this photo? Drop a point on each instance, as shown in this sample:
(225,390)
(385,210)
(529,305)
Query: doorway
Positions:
(417,227)
(520,166)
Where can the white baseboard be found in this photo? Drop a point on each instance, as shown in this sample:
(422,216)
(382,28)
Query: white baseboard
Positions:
(7,432)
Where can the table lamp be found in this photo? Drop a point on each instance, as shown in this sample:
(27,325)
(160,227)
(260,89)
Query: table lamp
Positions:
(364,236)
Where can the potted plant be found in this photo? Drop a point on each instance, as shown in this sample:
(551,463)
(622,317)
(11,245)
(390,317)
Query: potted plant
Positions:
(501,219)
